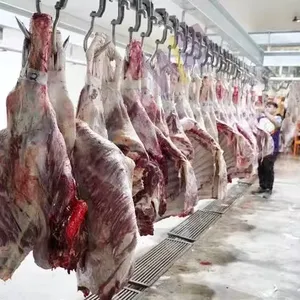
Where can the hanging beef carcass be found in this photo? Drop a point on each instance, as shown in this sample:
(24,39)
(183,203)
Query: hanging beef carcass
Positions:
(104,177)
(41,204)
(235,117)
(148,184)
(103,121)
(208,163)
(168,118)
(236,147)
(208,112)
(179,176)
(247,158)
(150,199)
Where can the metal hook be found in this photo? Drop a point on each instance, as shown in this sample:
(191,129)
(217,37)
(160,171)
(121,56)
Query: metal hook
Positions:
(58,7)
(139,11)
(222,59)
(207,46)
(227,63)
(38,6)
(237,70)
(192,35)
(122,4)
(216,55)
(93,15)
(164,21)
(199,40)
(149,8)
(197,56)
(184,34)
(175,27)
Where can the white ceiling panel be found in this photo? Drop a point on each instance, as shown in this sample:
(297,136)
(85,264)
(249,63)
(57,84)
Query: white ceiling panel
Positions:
(264,15)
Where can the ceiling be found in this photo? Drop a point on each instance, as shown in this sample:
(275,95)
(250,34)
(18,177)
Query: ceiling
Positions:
(264,15)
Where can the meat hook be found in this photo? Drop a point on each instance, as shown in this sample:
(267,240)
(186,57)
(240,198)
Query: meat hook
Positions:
(223,62)
(58,7)
(227,62)
(122,4)
(216,55)
(231,67)
(165,23)
(192,36)
(184,34)
(175,25)
(149,8)
(198,42)
(94,14)
(207,46)
(38,6)
(237,70)
(139,12)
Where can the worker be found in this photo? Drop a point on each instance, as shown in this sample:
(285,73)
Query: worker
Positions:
(271,121)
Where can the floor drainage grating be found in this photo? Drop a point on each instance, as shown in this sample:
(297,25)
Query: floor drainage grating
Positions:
(157,261)
(125,294)
(217,207)
(195,225)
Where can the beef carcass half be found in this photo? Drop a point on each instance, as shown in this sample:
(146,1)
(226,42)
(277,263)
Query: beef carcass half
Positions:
(46,215)
(161,78)
(179,177)
(104,177)
(150,200)
(208,163)
(105,111)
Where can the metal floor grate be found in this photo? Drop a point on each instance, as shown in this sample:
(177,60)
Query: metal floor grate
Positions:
(125,294)
(217,207)
(157,261)
(195,225)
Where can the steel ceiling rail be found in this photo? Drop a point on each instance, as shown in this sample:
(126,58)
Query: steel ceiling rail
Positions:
(225,25)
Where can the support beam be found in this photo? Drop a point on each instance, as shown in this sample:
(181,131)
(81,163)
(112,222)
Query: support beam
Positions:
(214,14)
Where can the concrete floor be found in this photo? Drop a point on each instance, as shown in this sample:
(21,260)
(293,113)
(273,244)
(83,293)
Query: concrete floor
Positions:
(253,252)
